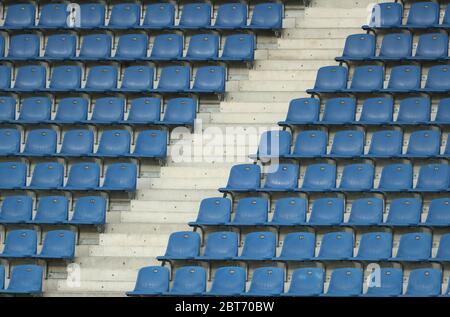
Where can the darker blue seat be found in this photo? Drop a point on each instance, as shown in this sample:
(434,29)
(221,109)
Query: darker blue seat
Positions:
(151,280)
(414,110)
(258,246)
(424,143)
(72,110)
(159,15)
(25,279)
(358,47)
(312,143)
(368,78)
(306,282)
(95,47)
(396,177)
(336,246)
(20,16)
(281,178)
(92,15)
(125,16)
(366,212)
(433,177)
(339,110)
(424,282)
(239,47)
(144,110)
(108,110)
(23,47)
(348,143)
(404,212)
(40,142)
(180,111)
(167,47)
(437,80)
(289,211)
(60,47)
(231,16)
(114,143)
(101,78)
(51,210)
(251,211)
(298,246)
(357,177)
(131,47)
(209,79)
(188,280)
(386,15)
(404,79)
(346,282)
(58,244)
(267,281)
(30,78)
(432,46)
(213,211)
(9,142)
(375,246)
(195,16)
(390,282)
(443,111)
(414,246)
(20,244)
(319,177)
(5,77)
(182,245)
(53,15)
(77,143)
(203,47)
(35,110)
(16,209)
(120,177)
(47,176)
(89,210)
(228,281)
(267,16)
(174,79)
(7,108)
(151,143)
(330,79)
(327,212)
(220,246)
(386,143)
(83,176)
(423,15)
(301,111)
(13,175)
(65,78)
(395,47)
(243,177)
(438,212)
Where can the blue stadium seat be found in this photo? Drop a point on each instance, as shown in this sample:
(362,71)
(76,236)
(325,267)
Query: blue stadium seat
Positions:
(182,245)
(339,110)
(58,244)
(189,280)
(114,143)
(195,16)
(151,280)
(386,143)
(336,246)
(423,15)
(387,15)
(209,79)
(35,109)
(25,279)
(213,211)
(13,175)
(228,281)
(20,16)
(289,211)
(424,282)
(327,211)
(319,177)
(432,46)
(16,209)
(89,210)
(95,47)
(414,110)
(47,176)
(137,79)
(267,281)
(20,244)
(144,110)
(433,177)
(357,177)
(231,16)
(220,246)
(243,177)
(404,78)
(51,210)
(367,78)
(258,246)
(404,212)
(9,142)
(396,177)
(298,246)
(302,110)
(121,177)
(24,46)
(7,107)
(203,47)
(346,282)
(83,176)
(53,15)
(414,246)
(174,79)
(443,252)
(180,111)
(159,15)
(108,110)
(60,47)
(348,143)
(446,20)
(2,277)
(72,110)
(131,47)
(306,282)
(5,77)
(281,178)
(330,79)
(274,143)
(239,47)
(443,111)
(251,211)
(267,16)
(437,79)
(375,246)
(358,47)
(391,283)
(377,111)
(438,212)
(312,143)
(30,78)
(92,15)
(101,78)
(151,143)
(77,143)
(2,46)
(125,16)
(40,142)
(424,143)
(167,47)
(366,212)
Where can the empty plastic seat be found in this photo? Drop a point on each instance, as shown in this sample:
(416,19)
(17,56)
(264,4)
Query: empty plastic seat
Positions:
(114,143)
(404,212)
(7,107)
(159,15)
(83,176)
(311,143)
(231,16)
(89,210)
(25,279)
(137,78)
(251,211)
(267,281)
(432,46)
(60,46)
(182,245)
(209,79)
(35,109)
(377,110)
(47,176)
(423,15)
(9,142)
(443,252)
(101,78)
(30,78)
(16,209)
(375,246)
(2,46)
(386,15)
(77,143)
(216,210)
(437,80)
(414,247)
(330,79)
(396,46)
(390,282)
(180,111)
(40,142)
(151,143)
(203,47)
(189,280)
(258,246)
(151,280)
(174,79)
(424,282)
(120,176)
(51,210)
(274,144)
(327,211)
(348,143)
(195,15)
(346,282)
(243,177)
(357,177)
(20,244)
(72,110)
(281,177)
(24,46)
(220,246)
(367,78)
(302,110)
(438,212)
(108,110)
(20,15)
(13,175)
(92,15)
(336,246)
(396,177)
(339,110)
(319,177)
(289,211)
(298,246)
(366,212)
(53,15)
(132,47)
(359,47)
(306,282)
(404,78)
(414,110)
(228,281)
(95,47)
(58,244)
(167,47)
(433,177)
(387,143)
(267,16)
(144,110)
(443,111)
(125,15)
(239,47)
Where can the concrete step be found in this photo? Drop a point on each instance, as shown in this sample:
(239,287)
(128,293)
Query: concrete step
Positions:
(252,107)
(290,65)
(264,96)
(321,33)
(145,228)
(160,206)
(160,217)
(132,239)
(282,75)
(184,183)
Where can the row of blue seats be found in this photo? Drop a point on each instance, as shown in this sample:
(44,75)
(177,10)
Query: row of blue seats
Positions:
(395,47)
(82,176)
(130,47)
(25,280)
(321,177)
(270,281)
(266,16)
(326,211)
(370,78)
(301,246)
(374,111)
(80,143)
(53,210)
(67,78)
(350,143)
(106,110)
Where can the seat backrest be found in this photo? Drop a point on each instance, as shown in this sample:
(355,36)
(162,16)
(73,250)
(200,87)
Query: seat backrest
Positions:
(96,46)
(339,110)
(368,78)
(320,177)
(307,281)
(357,177)
(125,15)
(229,280)
(377,110)
(203,47)
(251,210)
(9,141)
(78,142)
(145,109)
(20,15)
(61,46)
(290,210)
(348,143)
(16,209)
(108,109)
(433,46)
(299,246)
(406,77)
(92,15)
(336,245)
(359,46)
(7,107)
(274,143)
(244,176)
(20,243)
(396,46)
(52,209)
(443,251)
(48,175)
(167,46)
(267,15)
(175,78)
(73,109)
(132,46)
(331,78)
(423,14)
(327,211)
(24,46)
(267,280)
(189,280)
(13,175)
(282,177)
(210,79)
(303,110)
(138,78)
(152,143)
(433,177)
(439,211)
(424,282)
(424,143)
(84,176)
(66,78)
(26,278)
(5,77)
(239,47)
(415,246)
(195,15)
(386,143)
(396,177)
(221,245)
(387,14)
(391,282)
(180,111)
(53,15)
(121,176)
(90,209)
(311,143)
(367,211)
(438,78)
(41,142)
(31,77)
(35,109)
(375,246)
(102,78)
(443,111)
(114,142)
(59,244)
(216,210)
(346,282)
(231,15)
(159,15)
(259,245)
(414,110)
(152,279)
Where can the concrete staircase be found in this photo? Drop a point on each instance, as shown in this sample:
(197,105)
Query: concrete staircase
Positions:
(169,196)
